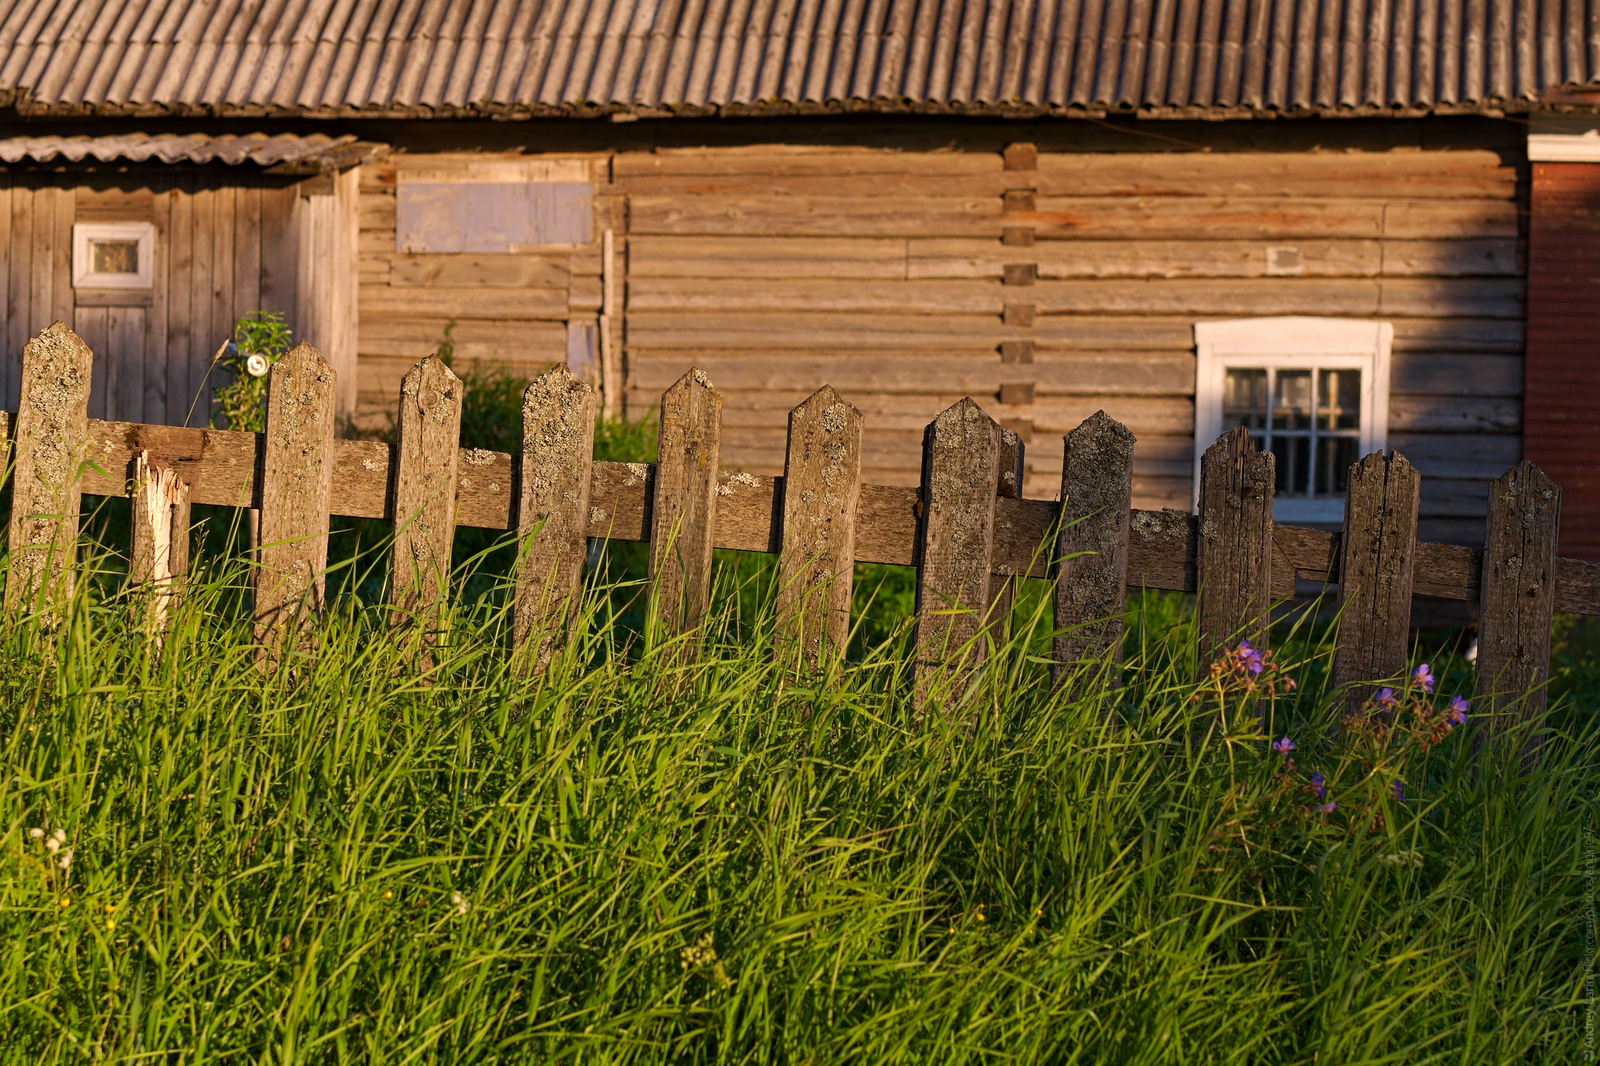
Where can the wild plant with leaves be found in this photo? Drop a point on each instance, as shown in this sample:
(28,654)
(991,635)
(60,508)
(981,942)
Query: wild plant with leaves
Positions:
(259,339)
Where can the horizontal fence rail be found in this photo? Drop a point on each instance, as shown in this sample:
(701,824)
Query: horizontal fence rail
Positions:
(965,528)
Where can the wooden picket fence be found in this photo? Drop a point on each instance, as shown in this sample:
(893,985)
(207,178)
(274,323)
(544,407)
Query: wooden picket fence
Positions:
(966,529)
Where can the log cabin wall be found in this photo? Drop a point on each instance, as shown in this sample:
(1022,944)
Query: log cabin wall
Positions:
(908,280)
(521,310)
(225,243)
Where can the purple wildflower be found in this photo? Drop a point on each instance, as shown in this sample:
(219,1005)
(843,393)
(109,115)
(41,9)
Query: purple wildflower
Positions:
(1327,808)
(1399,793)
(1385,699)
(1319,786)
(1283,747)
(1424,677)
(1457,711)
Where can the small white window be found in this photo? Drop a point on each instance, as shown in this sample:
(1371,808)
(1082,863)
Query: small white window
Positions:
(1313,391)
(112,255)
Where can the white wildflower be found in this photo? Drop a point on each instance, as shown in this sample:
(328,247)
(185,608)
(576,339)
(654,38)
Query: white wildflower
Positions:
(460,903)
(52,845)
(65,860)
(257,365)
(36,834)
(1402,858)
(58,835)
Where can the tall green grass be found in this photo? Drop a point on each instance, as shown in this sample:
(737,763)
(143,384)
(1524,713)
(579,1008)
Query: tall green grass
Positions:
(651,856)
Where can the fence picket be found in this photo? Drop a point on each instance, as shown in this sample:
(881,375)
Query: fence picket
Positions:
(1234,557)
(684,510)
(295,488)
(1002,587)
(159,554)
(426,460)
(553,514)
(960,470)
(1375,571)
(1096,494)
(1518,595)
(51,443)
(816,563)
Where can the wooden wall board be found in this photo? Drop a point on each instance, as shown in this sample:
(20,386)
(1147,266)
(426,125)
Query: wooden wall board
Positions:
(89,323)
(126,330)
(767,257)
(1335,174)
(153,404)
(486,271)
(1453,414)
(1458,334)
(193,391)
(465,302)
(1453,374)
(1483,456)
(776,160)
(10,370)
(1053,372)
(815,216)
(180,287)
(1136,258)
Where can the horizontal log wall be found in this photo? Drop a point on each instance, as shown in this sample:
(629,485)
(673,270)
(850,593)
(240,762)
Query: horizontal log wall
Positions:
(1048,285)
(510,310)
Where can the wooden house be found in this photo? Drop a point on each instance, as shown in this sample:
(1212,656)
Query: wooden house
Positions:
(1347,226)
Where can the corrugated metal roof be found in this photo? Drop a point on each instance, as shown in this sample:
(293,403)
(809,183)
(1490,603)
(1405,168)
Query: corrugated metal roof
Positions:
(530,57)
(262,149)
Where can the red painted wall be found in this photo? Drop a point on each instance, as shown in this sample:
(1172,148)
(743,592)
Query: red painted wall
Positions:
(1561,397)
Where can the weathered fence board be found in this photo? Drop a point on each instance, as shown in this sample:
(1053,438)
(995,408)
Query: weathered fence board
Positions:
(1234,556)
(553,516)
(1375,571)
(965,529)
(960,469)
(1518,596)
(427,459)
(1092,547)
(158,556)
(821,487)
(52,441)
(684,510)
(219,465)
(296,479)
(1002,586)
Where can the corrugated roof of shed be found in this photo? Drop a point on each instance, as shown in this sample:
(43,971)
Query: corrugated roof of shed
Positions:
(535,57)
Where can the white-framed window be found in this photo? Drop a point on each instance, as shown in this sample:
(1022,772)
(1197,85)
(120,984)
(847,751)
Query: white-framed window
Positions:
(112,255)
(1313,391)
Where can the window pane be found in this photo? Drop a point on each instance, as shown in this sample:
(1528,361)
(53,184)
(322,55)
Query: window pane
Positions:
(1291,408)
(114,257)
(1244,399)
(1335,456)
(1294,464)
(1339,397)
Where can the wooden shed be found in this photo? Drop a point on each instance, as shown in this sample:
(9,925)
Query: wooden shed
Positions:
(1190,216)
